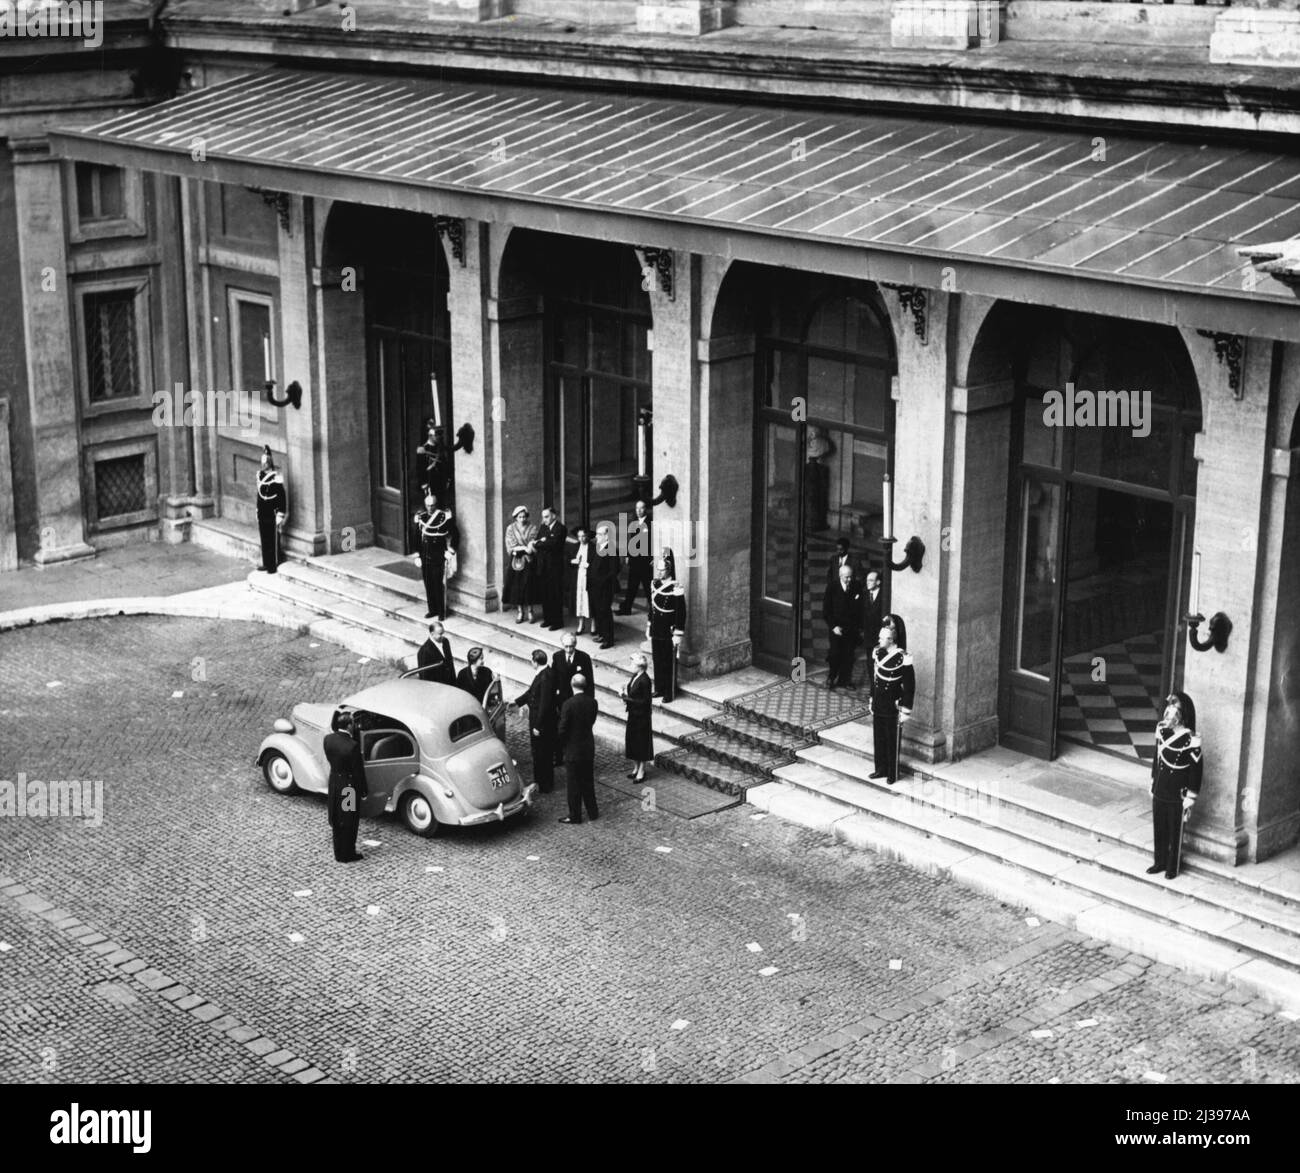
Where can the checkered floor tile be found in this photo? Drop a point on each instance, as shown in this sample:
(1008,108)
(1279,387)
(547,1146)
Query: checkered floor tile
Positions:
(1120,712)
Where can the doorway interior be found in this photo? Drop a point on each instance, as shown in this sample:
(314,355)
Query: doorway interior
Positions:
(1099,549)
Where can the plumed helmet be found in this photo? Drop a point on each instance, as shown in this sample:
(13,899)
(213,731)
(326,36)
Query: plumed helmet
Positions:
(1186,707)
(899,628)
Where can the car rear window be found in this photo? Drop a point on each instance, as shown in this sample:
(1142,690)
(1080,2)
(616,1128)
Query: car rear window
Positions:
(463,727)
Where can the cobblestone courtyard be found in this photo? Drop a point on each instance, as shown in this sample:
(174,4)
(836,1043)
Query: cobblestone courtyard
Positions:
(204,933)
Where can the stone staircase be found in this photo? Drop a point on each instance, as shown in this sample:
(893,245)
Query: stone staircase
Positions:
(1007,826)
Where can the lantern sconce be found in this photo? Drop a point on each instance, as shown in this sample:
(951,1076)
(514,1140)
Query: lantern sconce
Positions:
(1220,624)
(292,394)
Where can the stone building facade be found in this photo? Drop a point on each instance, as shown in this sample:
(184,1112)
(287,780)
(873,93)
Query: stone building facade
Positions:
(845,256)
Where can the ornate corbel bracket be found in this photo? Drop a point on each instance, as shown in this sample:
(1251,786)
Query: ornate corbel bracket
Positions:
(453,229)
(913,298)
(1229,349)
(658,270)
(279,200)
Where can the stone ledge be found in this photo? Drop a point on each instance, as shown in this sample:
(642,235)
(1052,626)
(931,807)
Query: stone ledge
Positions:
(1256,36)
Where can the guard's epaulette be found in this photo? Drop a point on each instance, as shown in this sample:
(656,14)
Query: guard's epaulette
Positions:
(1196,741)
(907,659)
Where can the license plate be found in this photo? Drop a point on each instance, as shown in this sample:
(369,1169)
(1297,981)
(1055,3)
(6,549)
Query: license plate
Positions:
(499,775)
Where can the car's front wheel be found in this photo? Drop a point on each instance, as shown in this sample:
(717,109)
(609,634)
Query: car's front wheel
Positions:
(279,773)
(417,814)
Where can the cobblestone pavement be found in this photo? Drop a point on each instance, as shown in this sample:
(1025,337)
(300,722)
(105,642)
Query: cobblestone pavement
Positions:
(204,933)
(142,569)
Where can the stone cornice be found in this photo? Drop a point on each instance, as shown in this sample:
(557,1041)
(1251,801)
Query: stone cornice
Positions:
(1172,93)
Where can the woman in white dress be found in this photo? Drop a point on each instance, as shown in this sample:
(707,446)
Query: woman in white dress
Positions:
(582,560)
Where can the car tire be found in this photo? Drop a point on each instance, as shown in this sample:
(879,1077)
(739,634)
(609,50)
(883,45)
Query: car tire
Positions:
(419,816)
(278,772)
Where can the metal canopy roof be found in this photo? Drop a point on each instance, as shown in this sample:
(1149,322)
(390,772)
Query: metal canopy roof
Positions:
(1121,208)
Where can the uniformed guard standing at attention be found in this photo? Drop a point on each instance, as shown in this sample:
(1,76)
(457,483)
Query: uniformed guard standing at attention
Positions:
(436,531)
(893,689)
(437,464)
(272,509)
(1175,781)
(347,785)
(666,624)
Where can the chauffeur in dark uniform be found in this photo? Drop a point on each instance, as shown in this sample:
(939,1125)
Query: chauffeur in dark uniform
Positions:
(666,625)
(550,548)
(893,689)
(842,610)
(437,534)
(347,785)
(272,509)
(1175,781)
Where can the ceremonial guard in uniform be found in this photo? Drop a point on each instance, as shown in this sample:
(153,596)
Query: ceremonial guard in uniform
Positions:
(272,509)
(437,464)
(438,536)
(893,688)
(666,625)
(347,785)
(1175,781)
(640,564)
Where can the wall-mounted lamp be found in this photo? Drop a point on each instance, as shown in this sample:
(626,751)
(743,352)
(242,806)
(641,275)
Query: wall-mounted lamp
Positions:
(464,439)
(668,490)
(292,394)
(913,551)
(1220,624)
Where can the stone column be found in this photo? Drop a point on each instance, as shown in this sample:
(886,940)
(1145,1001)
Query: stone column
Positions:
(478,503)
(304,530)
(342,387)
(1232,452)
(51,380)
(685,17)
(922,444)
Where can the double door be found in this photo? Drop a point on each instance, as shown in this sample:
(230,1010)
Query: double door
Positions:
(1092,642)
(818,482)
(404,368)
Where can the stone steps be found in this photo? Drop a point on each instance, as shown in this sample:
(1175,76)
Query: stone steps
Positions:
(1071,868)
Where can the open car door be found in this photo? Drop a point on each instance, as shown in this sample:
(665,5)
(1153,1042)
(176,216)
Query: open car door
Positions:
(391,755)
(495,706)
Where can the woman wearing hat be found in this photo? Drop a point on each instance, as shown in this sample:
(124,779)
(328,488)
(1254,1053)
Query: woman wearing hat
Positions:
(1175,781)
(638,742)
(521,589)
(893,689)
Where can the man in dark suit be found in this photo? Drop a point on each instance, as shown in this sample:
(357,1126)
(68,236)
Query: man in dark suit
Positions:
(552,561)
(603,586)
(435,657)
(475,677)
(842,610)
(640,558)
(871,612)
(842,557)
(347,786)
(577,720)
(567,663)
(540,699)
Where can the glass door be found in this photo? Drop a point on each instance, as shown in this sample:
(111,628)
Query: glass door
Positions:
(780,558)
(1030,676)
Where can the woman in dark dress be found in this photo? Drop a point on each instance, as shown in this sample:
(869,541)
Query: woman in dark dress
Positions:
(638,745)
(520,589)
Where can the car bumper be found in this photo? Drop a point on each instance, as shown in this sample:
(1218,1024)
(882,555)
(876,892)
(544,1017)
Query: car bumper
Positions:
(502,812)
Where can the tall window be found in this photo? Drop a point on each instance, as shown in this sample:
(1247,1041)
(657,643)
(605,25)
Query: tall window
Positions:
(112,345)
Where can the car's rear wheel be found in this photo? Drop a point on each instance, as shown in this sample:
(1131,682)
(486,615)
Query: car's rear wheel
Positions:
(417,814)
(279,773)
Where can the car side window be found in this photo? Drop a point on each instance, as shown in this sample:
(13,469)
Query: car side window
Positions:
(463,727)
(382,745)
